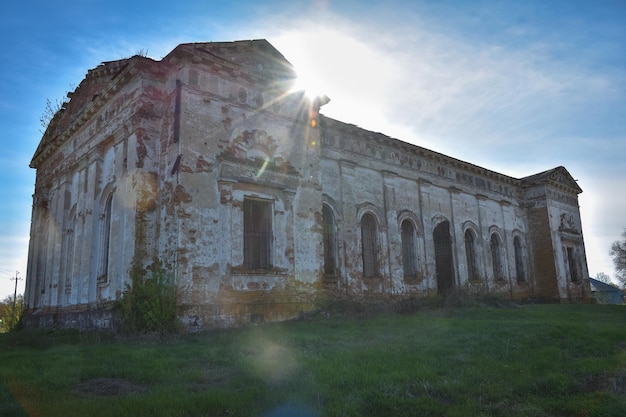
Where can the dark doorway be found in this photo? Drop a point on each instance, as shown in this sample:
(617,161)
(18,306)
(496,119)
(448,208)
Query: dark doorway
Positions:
(443,258)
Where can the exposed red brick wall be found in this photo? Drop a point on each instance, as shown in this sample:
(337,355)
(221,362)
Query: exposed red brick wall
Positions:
(543,253)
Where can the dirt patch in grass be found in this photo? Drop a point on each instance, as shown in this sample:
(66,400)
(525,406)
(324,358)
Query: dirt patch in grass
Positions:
(613,382)
(213,377)
(108,387)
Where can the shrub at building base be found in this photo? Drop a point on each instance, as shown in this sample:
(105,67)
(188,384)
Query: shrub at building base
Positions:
(149,305)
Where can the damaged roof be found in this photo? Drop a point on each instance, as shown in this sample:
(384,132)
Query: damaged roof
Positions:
(253,58)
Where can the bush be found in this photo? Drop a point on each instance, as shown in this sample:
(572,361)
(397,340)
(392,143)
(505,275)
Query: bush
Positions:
(11,313)
(149,305)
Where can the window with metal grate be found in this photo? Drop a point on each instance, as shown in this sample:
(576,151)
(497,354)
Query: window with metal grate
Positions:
(257,231)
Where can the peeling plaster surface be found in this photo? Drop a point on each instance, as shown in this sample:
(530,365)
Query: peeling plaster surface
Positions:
(150,162)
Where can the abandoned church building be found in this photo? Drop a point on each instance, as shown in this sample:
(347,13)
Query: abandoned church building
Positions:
(207,165)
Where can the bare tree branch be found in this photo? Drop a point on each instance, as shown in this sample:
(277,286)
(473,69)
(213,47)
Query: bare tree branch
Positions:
(618,252)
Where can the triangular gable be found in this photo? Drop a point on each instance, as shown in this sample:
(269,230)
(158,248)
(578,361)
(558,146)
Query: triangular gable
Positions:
(83,101)
(257,57)
(558,176)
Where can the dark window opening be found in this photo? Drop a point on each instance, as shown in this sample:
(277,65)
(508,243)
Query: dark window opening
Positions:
(470,254)
(573,264)
(369,242)
(443,258)
(496,257)
(257,231)
(409,257)
(520,270)
(330,241)
(105,236)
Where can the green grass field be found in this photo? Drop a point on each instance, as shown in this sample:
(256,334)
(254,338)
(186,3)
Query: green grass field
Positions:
(532,360)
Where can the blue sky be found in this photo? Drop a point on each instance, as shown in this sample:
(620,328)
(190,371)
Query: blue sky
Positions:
(515,86)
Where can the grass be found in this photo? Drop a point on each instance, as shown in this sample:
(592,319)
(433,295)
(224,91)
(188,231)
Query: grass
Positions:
(533,360)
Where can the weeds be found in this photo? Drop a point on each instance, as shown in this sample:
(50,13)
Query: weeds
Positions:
(149,304)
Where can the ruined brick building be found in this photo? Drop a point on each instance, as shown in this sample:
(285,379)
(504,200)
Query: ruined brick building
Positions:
(207,164)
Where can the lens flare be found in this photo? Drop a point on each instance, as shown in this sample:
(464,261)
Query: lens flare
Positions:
(262,169)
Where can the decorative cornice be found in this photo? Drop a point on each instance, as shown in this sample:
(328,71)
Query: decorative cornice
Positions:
(49,144)
(558,178)
(350,129)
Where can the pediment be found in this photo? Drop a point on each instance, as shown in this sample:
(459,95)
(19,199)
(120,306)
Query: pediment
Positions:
(256,57)
(557,176)
(92,93)
(562,176)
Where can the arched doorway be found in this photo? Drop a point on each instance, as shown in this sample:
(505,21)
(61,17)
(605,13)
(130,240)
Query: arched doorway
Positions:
(443,258)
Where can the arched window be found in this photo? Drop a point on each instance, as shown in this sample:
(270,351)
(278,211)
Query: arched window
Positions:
(369,245)
(496,257)
(520,271)
(42,257)
(70,248)
(409,252)
(105,240)
(470,254)
(330,241)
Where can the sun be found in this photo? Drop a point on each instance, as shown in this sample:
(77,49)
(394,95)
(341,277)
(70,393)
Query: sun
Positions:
(305,52)
(332,64)
(308,84)
(311,91)
(312,96)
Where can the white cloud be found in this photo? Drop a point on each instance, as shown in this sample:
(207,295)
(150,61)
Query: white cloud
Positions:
(382,75)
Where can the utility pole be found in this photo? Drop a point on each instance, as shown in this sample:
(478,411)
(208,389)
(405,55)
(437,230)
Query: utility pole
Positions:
(15,292)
